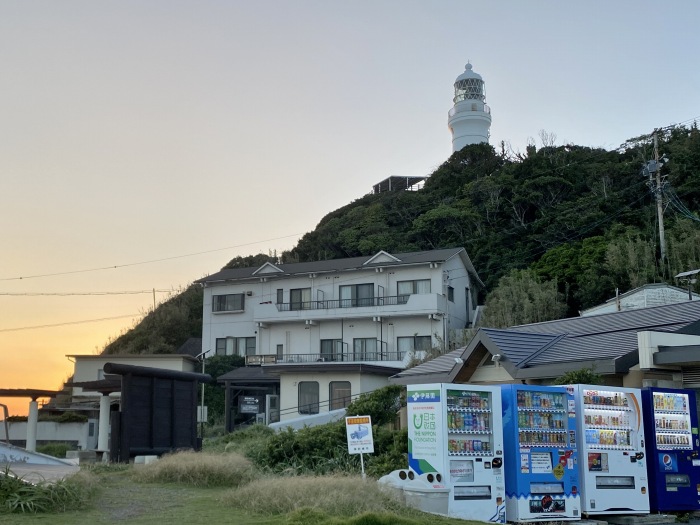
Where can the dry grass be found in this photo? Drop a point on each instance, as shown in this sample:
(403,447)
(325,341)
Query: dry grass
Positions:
(199,469)
(332,495)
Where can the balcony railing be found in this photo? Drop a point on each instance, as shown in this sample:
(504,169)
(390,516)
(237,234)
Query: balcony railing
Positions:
(341,357)
(343,303)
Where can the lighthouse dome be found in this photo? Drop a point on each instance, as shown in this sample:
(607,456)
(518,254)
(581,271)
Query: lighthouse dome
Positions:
(468,73)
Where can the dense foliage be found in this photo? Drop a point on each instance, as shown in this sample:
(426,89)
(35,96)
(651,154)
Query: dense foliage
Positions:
(580,217)
(165,328)
(577,218)
(323,449)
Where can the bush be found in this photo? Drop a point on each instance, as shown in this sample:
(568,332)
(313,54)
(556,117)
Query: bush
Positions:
(200,469)
(333,495)
(57,450)
(17,496)
(382,405)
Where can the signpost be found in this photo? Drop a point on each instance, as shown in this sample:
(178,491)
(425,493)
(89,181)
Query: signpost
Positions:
(360,440)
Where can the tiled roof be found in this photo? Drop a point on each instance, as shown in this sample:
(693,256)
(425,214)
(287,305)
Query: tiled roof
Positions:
(443,363)
(605,337)
(334,265)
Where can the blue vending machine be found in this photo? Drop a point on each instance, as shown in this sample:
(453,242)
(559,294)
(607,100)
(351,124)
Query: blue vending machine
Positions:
(673,449)
(541,462)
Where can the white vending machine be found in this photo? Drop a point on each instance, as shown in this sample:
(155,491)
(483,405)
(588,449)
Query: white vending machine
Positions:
(456,431)
(610,429)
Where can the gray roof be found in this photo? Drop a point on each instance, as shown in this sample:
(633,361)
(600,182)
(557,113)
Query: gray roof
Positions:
(193,347)
(542,349)
(248,375)
(431,371)
(336,265)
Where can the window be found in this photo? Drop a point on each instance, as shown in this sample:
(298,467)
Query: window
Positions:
(414,343)
(339,394)
(241,346)
(280,351)
(280,296)
(406,288)
(308,397)
(357,295)
(450,294)
(300,299)
(331,349)
(228,303)
(364,349)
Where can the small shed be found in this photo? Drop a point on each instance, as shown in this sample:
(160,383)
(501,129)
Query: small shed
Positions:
(158,411)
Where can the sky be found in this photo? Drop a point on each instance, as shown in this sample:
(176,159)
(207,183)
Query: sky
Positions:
(145,144)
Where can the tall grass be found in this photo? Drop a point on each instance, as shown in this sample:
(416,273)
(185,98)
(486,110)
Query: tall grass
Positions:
(332,495)
(72,493)
(199,469)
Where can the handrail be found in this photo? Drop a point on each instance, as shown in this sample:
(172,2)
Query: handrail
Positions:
(343,303)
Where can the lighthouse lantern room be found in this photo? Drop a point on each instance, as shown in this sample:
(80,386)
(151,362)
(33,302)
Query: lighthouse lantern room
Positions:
(469,119)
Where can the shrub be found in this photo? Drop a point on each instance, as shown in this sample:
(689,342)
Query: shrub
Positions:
(57,450)
(334,495)
(72,493)
(200,469)
(382,405)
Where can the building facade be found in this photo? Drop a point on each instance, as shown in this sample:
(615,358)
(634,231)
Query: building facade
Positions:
(336,317)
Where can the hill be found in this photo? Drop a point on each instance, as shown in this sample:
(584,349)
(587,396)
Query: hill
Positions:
(581,218)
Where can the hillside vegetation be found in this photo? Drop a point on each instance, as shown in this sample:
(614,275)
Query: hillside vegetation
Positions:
(570,223)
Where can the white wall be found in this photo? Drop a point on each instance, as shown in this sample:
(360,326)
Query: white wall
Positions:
(289,328)
(90,367)
(289,390)
(58,432)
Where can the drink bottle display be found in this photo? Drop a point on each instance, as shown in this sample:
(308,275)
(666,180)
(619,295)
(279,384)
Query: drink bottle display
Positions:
(613,461)
(456,430)
(542,468)
(673,449)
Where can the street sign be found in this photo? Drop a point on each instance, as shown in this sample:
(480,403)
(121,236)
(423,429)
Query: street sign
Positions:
(359,432)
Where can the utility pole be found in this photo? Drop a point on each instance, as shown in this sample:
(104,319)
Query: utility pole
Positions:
(659,205)
(653,169)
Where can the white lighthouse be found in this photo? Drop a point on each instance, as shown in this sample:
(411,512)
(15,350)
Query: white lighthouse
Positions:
(469,119)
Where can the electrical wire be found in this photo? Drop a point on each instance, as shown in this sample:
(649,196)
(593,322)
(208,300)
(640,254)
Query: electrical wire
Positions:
(67,323)
(151,261)
(82,294)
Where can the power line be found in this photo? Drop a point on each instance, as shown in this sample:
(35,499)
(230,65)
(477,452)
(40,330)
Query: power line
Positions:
(71,294)
(116,266)
(66,323)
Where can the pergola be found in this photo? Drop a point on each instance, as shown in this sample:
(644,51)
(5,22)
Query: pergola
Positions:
(33,416)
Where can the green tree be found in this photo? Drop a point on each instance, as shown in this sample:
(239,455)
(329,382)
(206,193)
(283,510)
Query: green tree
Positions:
(214,394)
(522,298)
(583,376)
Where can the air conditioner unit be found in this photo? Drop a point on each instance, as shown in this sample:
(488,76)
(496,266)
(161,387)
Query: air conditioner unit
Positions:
(249,293)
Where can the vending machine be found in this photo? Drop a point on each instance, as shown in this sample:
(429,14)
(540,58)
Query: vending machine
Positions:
(456,431)
(611,451)
(541,460)
(673,449)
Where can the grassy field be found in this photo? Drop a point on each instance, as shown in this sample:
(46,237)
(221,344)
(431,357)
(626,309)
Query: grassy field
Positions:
(221,488)
(122,497)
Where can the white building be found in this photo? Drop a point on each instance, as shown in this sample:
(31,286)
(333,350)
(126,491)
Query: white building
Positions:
(335,329)
(656,294)
(469,119)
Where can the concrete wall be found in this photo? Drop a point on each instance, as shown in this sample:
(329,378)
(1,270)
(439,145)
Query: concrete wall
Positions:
(82,435)
(289,389)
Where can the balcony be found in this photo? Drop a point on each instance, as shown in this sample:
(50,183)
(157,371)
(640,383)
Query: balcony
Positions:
(334,357)
(391,306)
